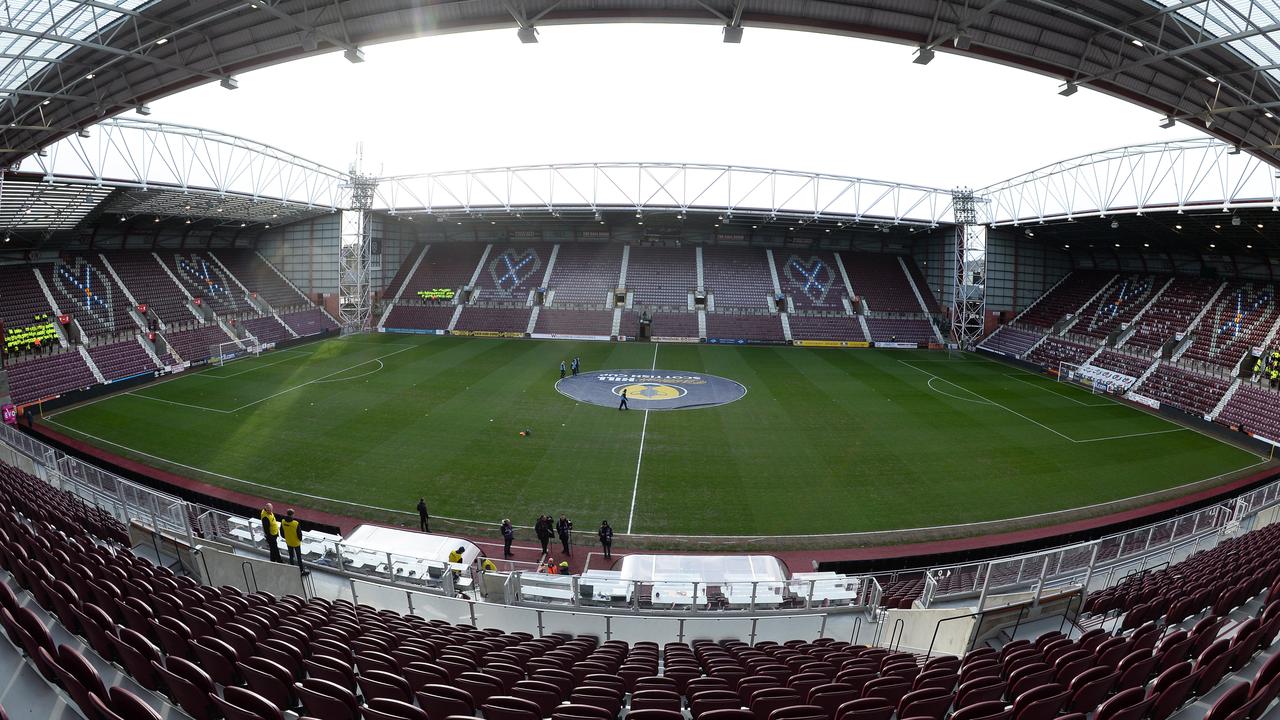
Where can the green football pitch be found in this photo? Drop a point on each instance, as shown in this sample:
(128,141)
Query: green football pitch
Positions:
(825,440)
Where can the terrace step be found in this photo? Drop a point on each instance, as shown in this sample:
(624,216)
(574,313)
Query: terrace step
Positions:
(1137,319)
(44,288)
(93,367)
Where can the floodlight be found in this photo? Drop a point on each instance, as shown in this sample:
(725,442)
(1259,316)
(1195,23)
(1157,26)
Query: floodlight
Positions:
(230,83)
(143,109)
(1235,150)
(1168,122)
(84,132)
(527,35)
(924,55)
(1069,90)
(732,34)
(1115,224)
(962,41)
(354,55)
(1235,220)
(309,42)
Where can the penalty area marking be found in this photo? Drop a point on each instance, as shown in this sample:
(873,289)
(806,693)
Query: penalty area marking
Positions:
(321,379)
(644,428)
(1047,388)
(256,367)
(1068,438)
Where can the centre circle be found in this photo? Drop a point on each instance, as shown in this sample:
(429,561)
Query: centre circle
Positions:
(651,389)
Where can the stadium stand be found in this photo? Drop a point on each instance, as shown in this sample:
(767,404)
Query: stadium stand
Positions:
(512,271)
(826,327)
(205,279)
(737,277)
(1255,409)
(393,285)
(487,319)
(880,282)
(268,329)
(1065,298)
(1190,640)
(1118,305)
(446,265)
(121,359)
(259,277)
(1239,321)
(1124,363)
(812,279)
(1011,341)
(662,277)
(585,274)
(930,300)
(726,326)
(681,325)
(1191,391)
(309,322)
(84,290)
(908,330)
(1056,350)
(554,321)
(22,300)
(195,345)
(420,317)
(151,286)
(48,375)
(1172,313)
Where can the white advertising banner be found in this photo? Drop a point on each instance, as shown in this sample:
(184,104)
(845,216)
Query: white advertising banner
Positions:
(1109,377)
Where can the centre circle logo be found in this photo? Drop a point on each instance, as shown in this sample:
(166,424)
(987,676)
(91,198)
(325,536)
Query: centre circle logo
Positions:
(651,389)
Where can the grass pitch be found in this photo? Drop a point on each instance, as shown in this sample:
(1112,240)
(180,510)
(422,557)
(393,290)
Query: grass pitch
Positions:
(825,441)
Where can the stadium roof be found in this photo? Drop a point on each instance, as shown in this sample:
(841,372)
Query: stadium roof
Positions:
(1213,64)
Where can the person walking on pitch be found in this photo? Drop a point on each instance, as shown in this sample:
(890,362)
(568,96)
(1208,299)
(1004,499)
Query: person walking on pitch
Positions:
(623,404)
(561,369)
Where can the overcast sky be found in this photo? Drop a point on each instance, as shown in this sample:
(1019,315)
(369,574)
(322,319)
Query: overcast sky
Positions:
(671,93)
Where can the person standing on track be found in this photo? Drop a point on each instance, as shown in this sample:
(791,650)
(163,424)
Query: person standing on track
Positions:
(564,529)
(271,529)
(542,529)
(508,534)
(606,539)
(424,520)
(561,369)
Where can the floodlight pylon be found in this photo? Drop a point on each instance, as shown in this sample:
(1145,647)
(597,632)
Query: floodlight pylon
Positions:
(969,287)
(355,256)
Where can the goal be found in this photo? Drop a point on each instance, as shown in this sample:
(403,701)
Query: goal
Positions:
(1087,377)
(223,353)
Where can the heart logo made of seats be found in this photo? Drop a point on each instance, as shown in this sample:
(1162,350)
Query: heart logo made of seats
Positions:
(87,289)
(1125,295)
(1237,315)
(204,278)
(511,268)
(813,277)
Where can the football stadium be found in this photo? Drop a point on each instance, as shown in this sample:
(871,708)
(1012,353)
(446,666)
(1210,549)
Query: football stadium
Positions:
(288,441)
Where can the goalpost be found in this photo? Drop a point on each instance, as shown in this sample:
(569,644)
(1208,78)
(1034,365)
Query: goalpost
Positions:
(223,353)
(1073,374)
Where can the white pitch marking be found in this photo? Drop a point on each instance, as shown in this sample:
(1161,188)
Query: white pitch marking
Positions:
(175,402)
(1046,388)
(1037,422)
(644,428)
(252,369)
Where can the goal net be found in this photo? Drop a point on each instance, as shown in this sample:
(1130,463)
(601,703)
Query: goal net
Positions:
(223,353)
(1087,377)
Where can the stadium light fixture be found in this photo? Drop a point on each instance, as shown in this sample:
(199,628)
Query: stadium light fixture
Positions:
(1115,224)
(527,35)
(1168,122)
(230,83)
(90,76)
(732,34)
(46,102)
(1137,43)
(1146,244)
(162,41)
(1235,150)
(1259,226)
(1211,78)
(924,55)
(143,110)
(309,42)
(1212,245)
(1069,90)
(962,41)
(1235,220)
(354,55)
(1247,247)
(1177,227)
(83,132)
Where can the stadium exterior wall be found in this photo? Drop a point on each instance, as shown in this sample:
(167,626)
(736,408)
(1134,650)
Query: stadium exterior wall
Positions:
(306,252)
